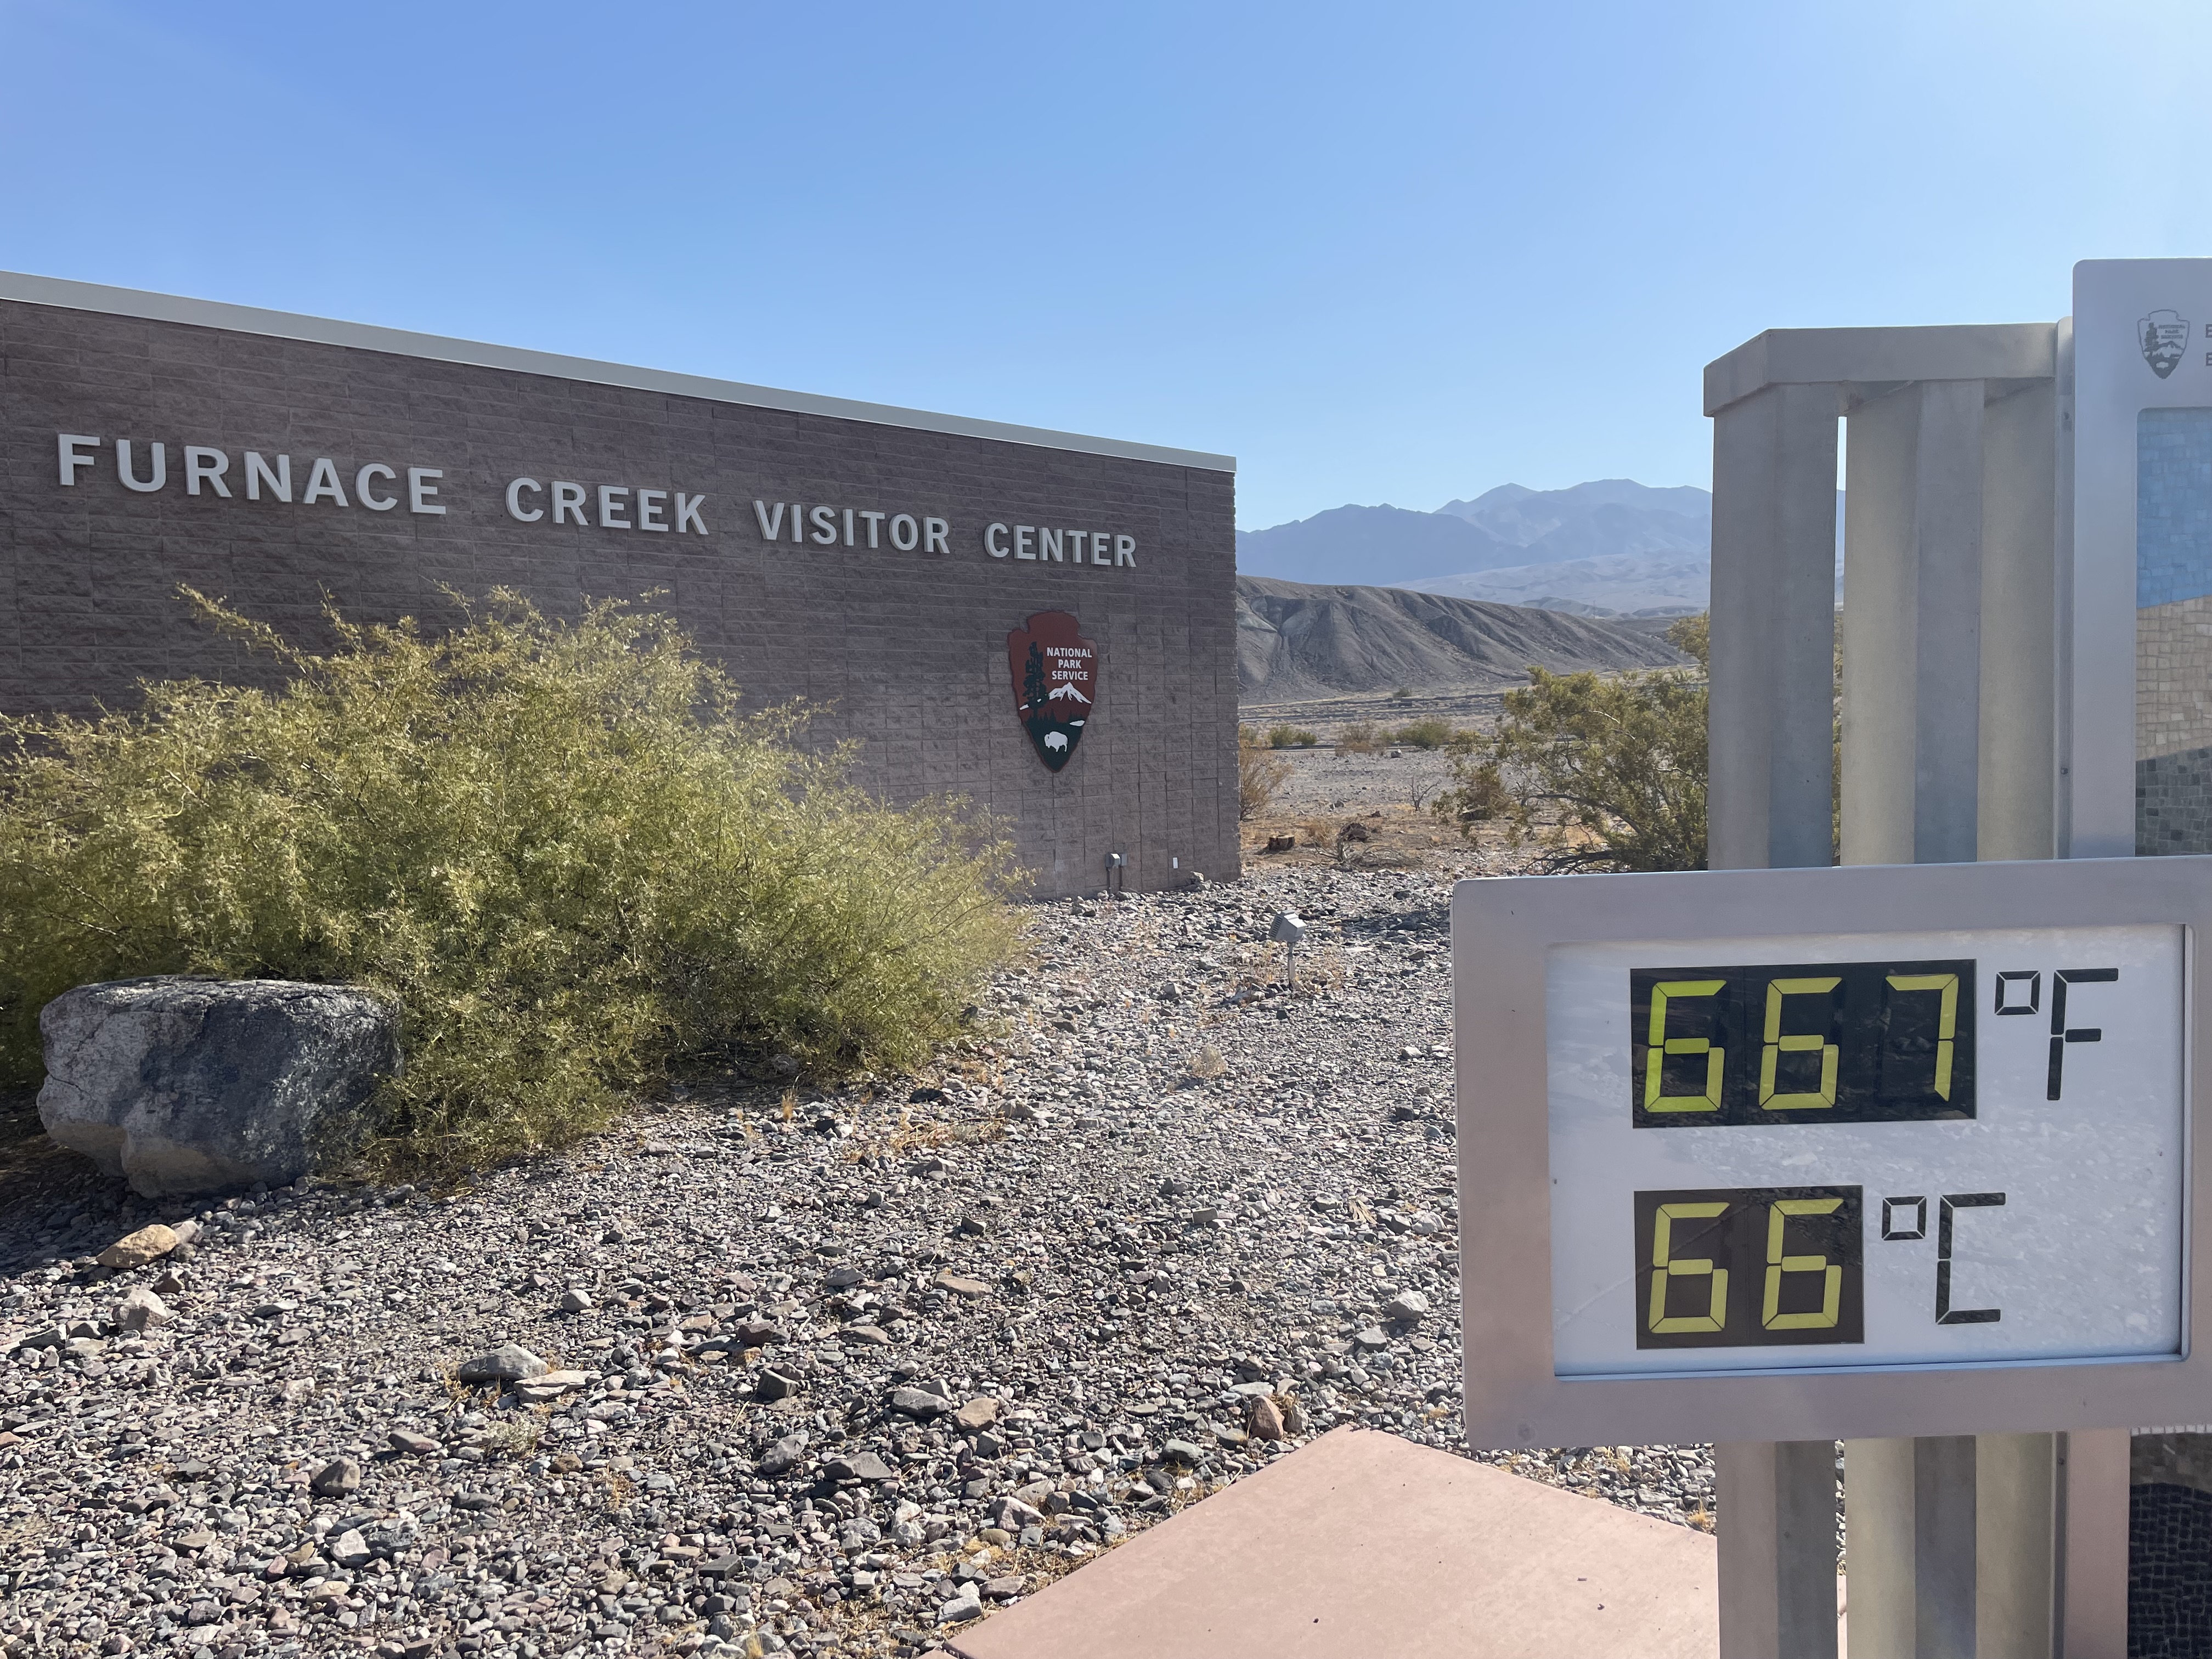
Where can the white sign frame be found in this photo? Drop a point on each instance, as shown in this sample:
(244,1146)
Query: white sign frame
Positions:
(2111,385)
(1502,932)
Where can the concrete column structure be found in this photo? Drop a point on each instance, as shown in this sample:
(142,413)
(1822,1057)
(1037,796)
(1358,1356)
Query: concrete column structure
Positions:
(2015,1545)
(1950,686)
(1773,630)
(1949,624)
(2092,1544)
(2018,787)
(1778,1549)
(1769,804)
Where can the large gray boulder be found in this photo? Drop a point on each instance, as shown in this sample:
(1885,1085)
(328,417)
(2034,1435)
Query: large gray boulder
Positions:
(199,1085)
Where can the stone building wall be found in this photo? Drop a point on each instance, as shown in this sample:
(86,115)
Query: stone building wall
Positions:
(903,650)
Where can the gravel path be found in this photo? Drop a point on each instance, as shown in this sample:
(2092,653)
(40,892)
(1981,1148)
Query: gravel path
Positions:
(835,1370)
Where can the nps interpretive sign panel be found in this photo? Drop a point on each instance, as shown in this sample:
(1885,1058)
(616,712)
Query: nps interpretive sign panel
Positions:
(1813,1154)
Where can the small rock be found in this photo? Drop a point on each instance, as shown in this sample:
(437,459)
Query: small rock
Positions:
(137,1249)
(1408,1307)
(1294,1415)
(919,1403)
(576,1302)
(782,1456)
(960,1285)
(336,1478)
(406,1440)
(140,1311)
(864,1465)
(775,1385)
(978,1413)
(1012,1513)
(552,1386)
(1263,1418)
(873,1336)
(1183,1451)
(511,1363)
(1372,1337)
(349,1549)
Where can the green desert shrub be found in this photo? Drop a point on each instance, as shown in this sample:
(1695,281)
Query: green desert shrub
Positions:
(1428,732)
(1604,773)
(556,845)
(1291,736)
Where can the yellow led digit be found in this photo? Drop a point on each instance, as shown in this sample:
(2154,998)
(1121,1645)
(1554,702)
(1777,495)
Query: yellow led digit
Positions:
(1778,1045)
(1660,1045)
(1665,1269)
(1947,1020)
(1771,1317)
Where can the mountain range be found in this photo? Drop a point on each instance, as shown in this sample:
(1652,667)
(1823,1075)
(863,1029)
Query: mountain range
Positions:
(1609,548)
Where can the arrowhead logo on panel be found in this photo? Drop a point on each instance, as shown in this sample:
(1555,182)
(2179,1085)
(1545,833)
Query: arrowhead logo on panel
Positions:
(1055,673)
(2163,335)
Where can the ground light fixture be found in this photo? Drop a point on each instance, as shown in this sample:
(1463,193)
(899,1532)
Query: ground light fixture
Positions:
(1287,931)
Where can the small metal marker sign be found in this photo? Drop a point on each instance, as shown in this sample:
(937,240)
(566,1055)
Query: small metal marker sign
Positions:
(1823,1154)
(1288,929)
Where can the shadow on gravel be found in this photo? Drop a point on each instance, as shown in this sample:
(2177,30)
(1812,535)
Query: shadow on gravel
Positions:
(52,1202)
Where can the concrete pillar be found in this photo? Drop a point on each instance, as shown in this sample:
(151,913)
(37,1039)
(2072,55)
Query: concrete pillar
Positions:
(2092,1544)
(1881,630)
(1947,523)
(1912,625)
(1778,1549)
(2016,1565)
(1769,804)
(2020,642)
(1911,1546)
(1948,732)
(1773,630)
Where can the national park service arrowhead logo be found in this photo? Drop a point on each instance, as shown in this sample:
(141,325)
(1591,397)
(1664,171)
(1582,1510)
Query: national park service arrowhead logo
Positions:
(1055,674)
(2163,335)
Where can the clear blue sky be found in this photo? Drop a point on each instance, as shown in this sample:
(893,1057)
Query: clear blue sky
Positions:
(1395,253)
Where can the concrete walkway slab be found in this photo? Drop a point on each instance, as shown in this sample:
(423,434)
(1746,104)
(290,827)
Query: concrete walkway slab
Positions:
(1362,1543)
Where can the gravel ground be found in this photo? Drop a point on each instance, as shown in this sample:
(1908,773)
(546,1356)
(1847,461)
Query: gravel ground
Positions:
(838,1368)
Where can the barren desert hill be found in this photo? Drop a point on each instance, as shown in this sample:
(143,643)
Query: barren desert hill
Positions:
(1294,641)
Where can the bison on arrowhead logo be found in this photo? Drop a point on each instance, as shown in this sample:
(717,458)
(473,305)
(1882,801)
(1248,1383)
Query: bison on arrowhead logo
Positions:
(2164,336)
(1055,674)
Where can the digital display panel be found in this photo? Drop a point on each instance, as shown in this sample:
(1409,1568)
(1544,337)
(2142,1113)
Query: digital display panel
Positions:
(1849,1151)
(1806,1042)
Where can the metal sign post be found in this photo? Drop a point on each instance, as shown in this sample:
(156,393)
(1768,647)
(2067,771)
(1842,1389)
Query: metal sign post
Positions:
(1287,931)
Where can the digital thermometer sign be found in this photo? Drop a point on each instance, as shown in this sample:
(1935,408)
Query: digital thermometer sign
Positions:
(1724,1137)
(1867,1131)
